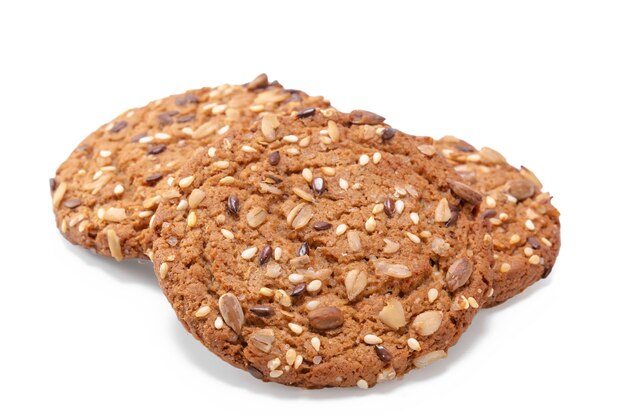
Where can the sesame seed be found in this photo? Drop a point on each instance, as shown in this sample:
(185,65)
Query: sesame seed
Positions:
(118,189)
(187,130)
(266,292)
(97,174)
(378,207)
(145,140)
(370,224)
(105,153)
(276,373)
(298,361)
(227,234)
(341,229)
(295,278)
(163,270)
(490,292)
(328,171)
(202,311)
(223,130)
(472,302)
(307,174)
(162,136)
(364,159)
(546,242)
(314,286)
(515,238)
(505,267)
(534,260)
(250,252)
(186,182)
(248,149)
(182,205)
(529,225)
(413,344)
(316,343)
(222,164)
(377,157)
(226,180)
(292,151)
(290,138)
(362,383)
(372,339)
(312,305)
(290,356)
(278,252)
(145,213)
(219,323)
(503,216)
(399,207)
(495,221)
(296,328)
(343,184)
(415,218)
(490,202)
(211,152)
(256,108)
(528,251)
(303,194)
(192,219)
(433,293)
(414,238)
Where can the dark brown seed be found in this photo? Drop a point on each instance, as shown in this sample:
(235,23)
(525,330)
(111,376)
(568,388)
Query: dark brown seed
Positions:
(304,249)
(254,372)
(274,158)
(119,126)
(521,189)
(265,254)
(298,290)
(53,184)
(154,178)
(365,117)
(138,137)
(318,185)
(186,99)
(534,242)
(164,118)
(159,148)
(270,178)
(262,310)
(186,118)
(296,96)
(453,218)
(326,318)
(321,226)
(259,82)
(465,147)
(388,133)
(546,273)
(382,353)
(488,214)
(390,206)
(459,273)
(307,112)
(71,203)
(465,192)
(232,205)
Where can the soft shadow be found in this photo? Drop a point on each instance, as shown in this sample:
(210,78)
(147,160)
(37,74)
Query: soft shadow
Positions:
(129,271)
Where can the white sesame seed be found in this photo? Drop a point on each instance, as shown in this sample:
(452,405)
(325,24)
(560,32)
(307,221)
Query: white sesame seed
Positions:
(290,138)
(515,238)
(118,189)
(97,174)
(218,109)
(276,373)
(343,183)
(296,328)
(529,225)
(314,286)
(192,219)
(278,252)
(248,253)
(186,182)
(105,153)
(364,159)
(415,218)
(307,174)
(298,362)
(528,251)
(362,383)
(295,278)
(248,149)
(399,207)
(162,136)
(147,139)
(414,238)
(413,344)
(341,229)
(370,224)
(490,201)
(433,293)
(328,171)
(378,207)
(227,234)
(546,242)
(163,269)
(226,180)
(222,164)
(211,152)
(312,305)
(145,213)
(473,158)
(187,131)
(534,260)
(256,108)
(292,151)
(372,339)
(182,205)
(316,343)
(219,323)
(505,267)
(377,157)
(170,181)
(290,356)
(266,292)
(203,311)
(472,302)
(223,130)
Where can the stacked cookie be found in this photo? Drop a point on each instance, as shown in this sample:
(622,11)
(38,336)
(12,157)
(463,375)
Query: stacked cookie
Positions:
(308,246)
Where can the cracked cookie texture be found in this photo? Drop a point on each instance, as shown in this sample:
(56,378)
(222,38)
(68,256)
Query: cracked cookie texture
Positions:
(322,249)
(106,192)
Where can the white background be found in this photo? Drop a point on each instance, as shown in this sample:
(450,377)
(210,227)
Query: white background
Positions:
(543,82)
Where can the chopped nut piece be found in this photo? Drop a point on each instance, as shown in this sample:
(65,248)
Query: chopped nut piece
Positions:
(192,219)
(490,202)
(114,245)
(443,212)
(362,384)
(355,282)
(393,314)
(256,216)
(354,241)
(391,247)
(163,268)
(196,196)
(428,322)
(269,123)
(262,339)
(429,358)
(529,225)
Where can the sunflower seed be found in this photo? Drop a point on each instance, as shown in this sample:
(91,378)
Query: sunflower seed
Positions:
(262,339)
(326,318)
(231,312)
(459,273)
(365,117)
(465,192)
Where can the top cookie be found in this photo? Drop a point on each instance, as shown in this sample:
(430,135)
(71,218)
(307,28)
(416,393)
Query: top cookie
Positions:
(524,225)
(322,249)
(106,192)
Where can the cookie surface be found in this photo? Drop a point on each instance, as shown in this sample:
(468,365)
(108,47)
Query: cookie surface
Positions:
(322,249)
(524,225)
(105,193)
